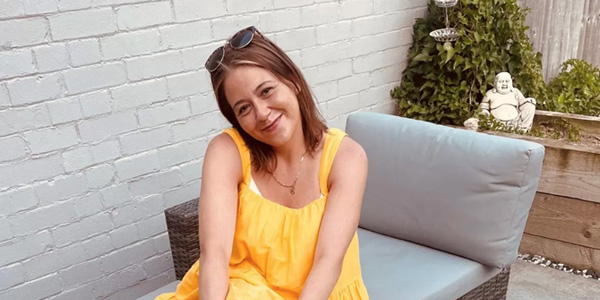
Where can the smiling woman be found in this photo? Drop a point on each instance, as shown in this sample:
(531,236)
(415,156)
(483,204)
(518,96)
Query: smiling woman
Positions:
(281,193)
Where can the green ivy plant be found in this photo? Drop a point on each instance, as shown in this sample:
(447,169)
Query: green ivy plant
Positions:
(444,82)
(576,89)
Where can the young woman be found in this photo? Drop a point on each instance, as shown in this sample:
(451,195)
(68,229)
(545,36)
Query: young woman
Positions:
(281,193)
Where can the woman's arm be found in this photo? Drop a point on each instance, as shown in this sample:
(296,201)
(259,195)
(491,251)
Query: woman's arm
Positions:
(347,185)
(217,214)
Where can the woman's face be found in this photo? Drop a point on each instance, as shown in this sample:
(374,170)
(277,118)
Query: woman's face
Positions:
(266,108)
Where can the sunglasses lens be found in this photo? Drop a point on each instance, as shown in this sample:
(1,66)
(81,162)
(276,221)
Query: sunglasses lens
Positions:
(242,39)
(214,60)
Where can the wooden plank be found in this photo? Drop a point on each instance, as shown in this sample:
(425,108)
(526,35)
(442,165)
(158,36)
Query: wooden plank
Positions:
(591,33)
(565,219)
(569,173)
(569,169)
(563,29)
(573,255)
(549,143)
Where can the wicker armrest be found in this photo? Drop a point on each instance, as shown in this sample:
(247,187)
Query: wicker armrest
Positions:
(493,289)
(182,224)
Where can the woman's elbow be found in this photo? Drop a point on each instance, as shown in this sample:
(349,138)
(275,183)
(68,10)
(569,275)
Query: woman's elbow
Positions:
(214,254)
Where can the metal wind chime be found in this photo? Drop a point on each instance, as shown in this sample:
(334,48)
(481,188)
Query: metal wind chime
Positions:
(447,34)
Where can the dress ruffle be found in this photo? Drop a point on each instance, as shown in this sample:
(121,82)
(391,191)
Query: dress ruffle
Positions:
(355,290)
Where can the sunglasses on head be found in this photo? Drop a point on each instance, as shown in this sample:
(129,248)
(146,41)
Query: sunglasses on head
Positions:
(239,40)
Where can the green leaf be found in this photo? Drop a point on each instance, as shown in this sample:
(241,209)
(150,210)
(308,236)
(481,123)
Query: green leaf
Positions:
(449,51)
(422,57)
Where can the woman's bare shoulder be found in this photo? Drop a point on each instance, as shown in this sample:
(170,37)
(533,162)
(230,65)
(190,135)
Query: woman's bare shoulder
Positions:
(223,153)
(350,157)
(350,149)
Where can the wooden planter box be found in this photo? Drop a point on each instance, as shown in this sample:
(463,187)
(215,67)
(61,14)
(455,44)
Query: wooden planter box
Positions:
(564,221)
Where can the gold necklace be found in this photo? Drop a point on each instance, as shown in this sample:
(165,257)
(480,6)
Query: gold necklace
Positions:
(292,186)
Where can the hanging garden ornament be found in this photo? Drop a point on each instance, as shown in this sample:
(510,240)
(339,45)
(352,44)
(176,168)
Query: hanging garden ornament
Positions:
(445,3)
(445,34)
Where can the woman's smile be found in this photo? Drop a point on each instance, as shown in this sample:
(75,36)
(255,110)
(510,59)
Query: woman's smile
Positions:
(273,125)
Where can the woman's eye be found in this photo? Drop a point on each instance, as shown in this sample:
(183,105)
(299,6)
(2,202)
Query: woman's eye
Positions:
(243,109)
(266,91)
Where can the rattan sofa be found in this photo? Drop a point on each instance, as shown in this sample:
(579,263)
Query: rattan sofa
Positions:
(443,213)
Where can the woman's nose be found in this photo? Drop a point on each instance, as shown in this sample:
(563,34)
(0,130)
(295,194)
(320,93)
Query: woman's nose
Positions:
(262,111)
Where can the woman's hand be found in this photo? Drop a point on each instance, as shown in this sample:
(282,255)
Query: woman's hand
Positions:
(217,210)
(347,182)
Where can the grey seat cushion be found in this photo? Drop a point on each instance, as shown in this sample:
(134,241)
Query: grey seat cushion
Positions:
(397,269)
(169,288)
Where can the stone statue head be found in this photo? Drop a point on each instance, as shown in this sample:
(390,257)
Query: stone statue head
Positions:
(503,83)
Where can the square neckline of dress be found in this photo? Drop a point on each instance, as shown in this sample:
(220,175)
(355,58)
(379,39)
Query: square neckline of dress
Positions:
(312,202)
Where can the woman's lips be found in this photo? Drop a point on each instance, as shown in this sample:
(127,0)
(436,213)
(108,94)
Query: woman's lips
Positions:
(273,125)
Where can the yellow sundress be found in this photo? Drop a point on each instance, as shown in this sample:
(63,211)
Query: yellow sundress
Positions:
(274,245)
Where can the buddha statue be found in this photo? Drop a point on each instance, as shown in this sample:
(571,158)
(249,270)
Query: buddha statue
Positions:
(507,105)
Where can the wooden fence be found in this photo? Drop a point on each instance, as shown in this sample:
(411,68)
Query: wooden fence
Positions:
(562,29)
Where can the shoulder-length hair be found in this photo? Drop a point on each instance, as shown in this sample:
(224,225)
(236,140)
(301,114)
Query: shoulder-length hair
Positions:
(263,53)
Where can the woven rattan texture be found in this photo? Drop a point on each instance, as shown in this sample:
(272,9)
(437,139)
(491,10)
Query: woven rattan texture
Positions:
(493,289)
(182,223)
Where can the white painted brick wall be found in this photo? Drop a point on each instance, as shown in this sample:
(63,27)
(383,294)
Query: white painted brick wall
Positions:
(146,140)
(130,44)
(106,112)
(51,57)
(50,139)
(152,66)
(139,94)
(136,165)
(95,77)
(35,89)
(101,128)
(23,32)
(12,148)
(95,103)
(185,35)
(65,5)
(89,23)
(84,52)
(100,176)
(144,15)
(40,6)
(87,205)
(42,218)
(60,188)
(16,63)
(64,110)
(4,98)
(189,10)
(11,275)
(162,114)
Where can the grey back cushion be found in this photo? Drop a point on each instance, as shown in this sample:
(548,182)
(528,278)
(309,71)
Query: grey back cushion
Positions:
(458,191)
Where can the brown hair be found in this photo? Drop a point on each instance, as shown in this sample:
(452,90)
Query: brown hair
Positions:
(263,53)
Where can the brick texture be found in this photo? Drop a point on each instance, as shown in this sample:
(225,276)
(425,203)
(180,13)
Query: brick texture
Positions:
(106,111)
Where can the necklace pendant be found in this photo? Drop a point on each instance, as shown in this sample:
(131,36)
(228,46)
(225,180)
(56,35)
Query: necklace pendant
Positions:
(292,191)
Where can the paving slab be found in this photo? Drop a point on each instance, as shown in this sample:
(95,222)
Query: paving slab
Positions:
(532,282)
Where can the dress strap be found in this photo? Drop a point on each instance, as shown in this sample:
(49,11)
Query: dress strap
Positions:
(244,153)
(333,139)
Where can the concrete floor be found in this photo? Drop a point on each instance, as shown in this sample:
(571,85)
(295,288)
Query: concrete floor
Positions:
(532,282)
